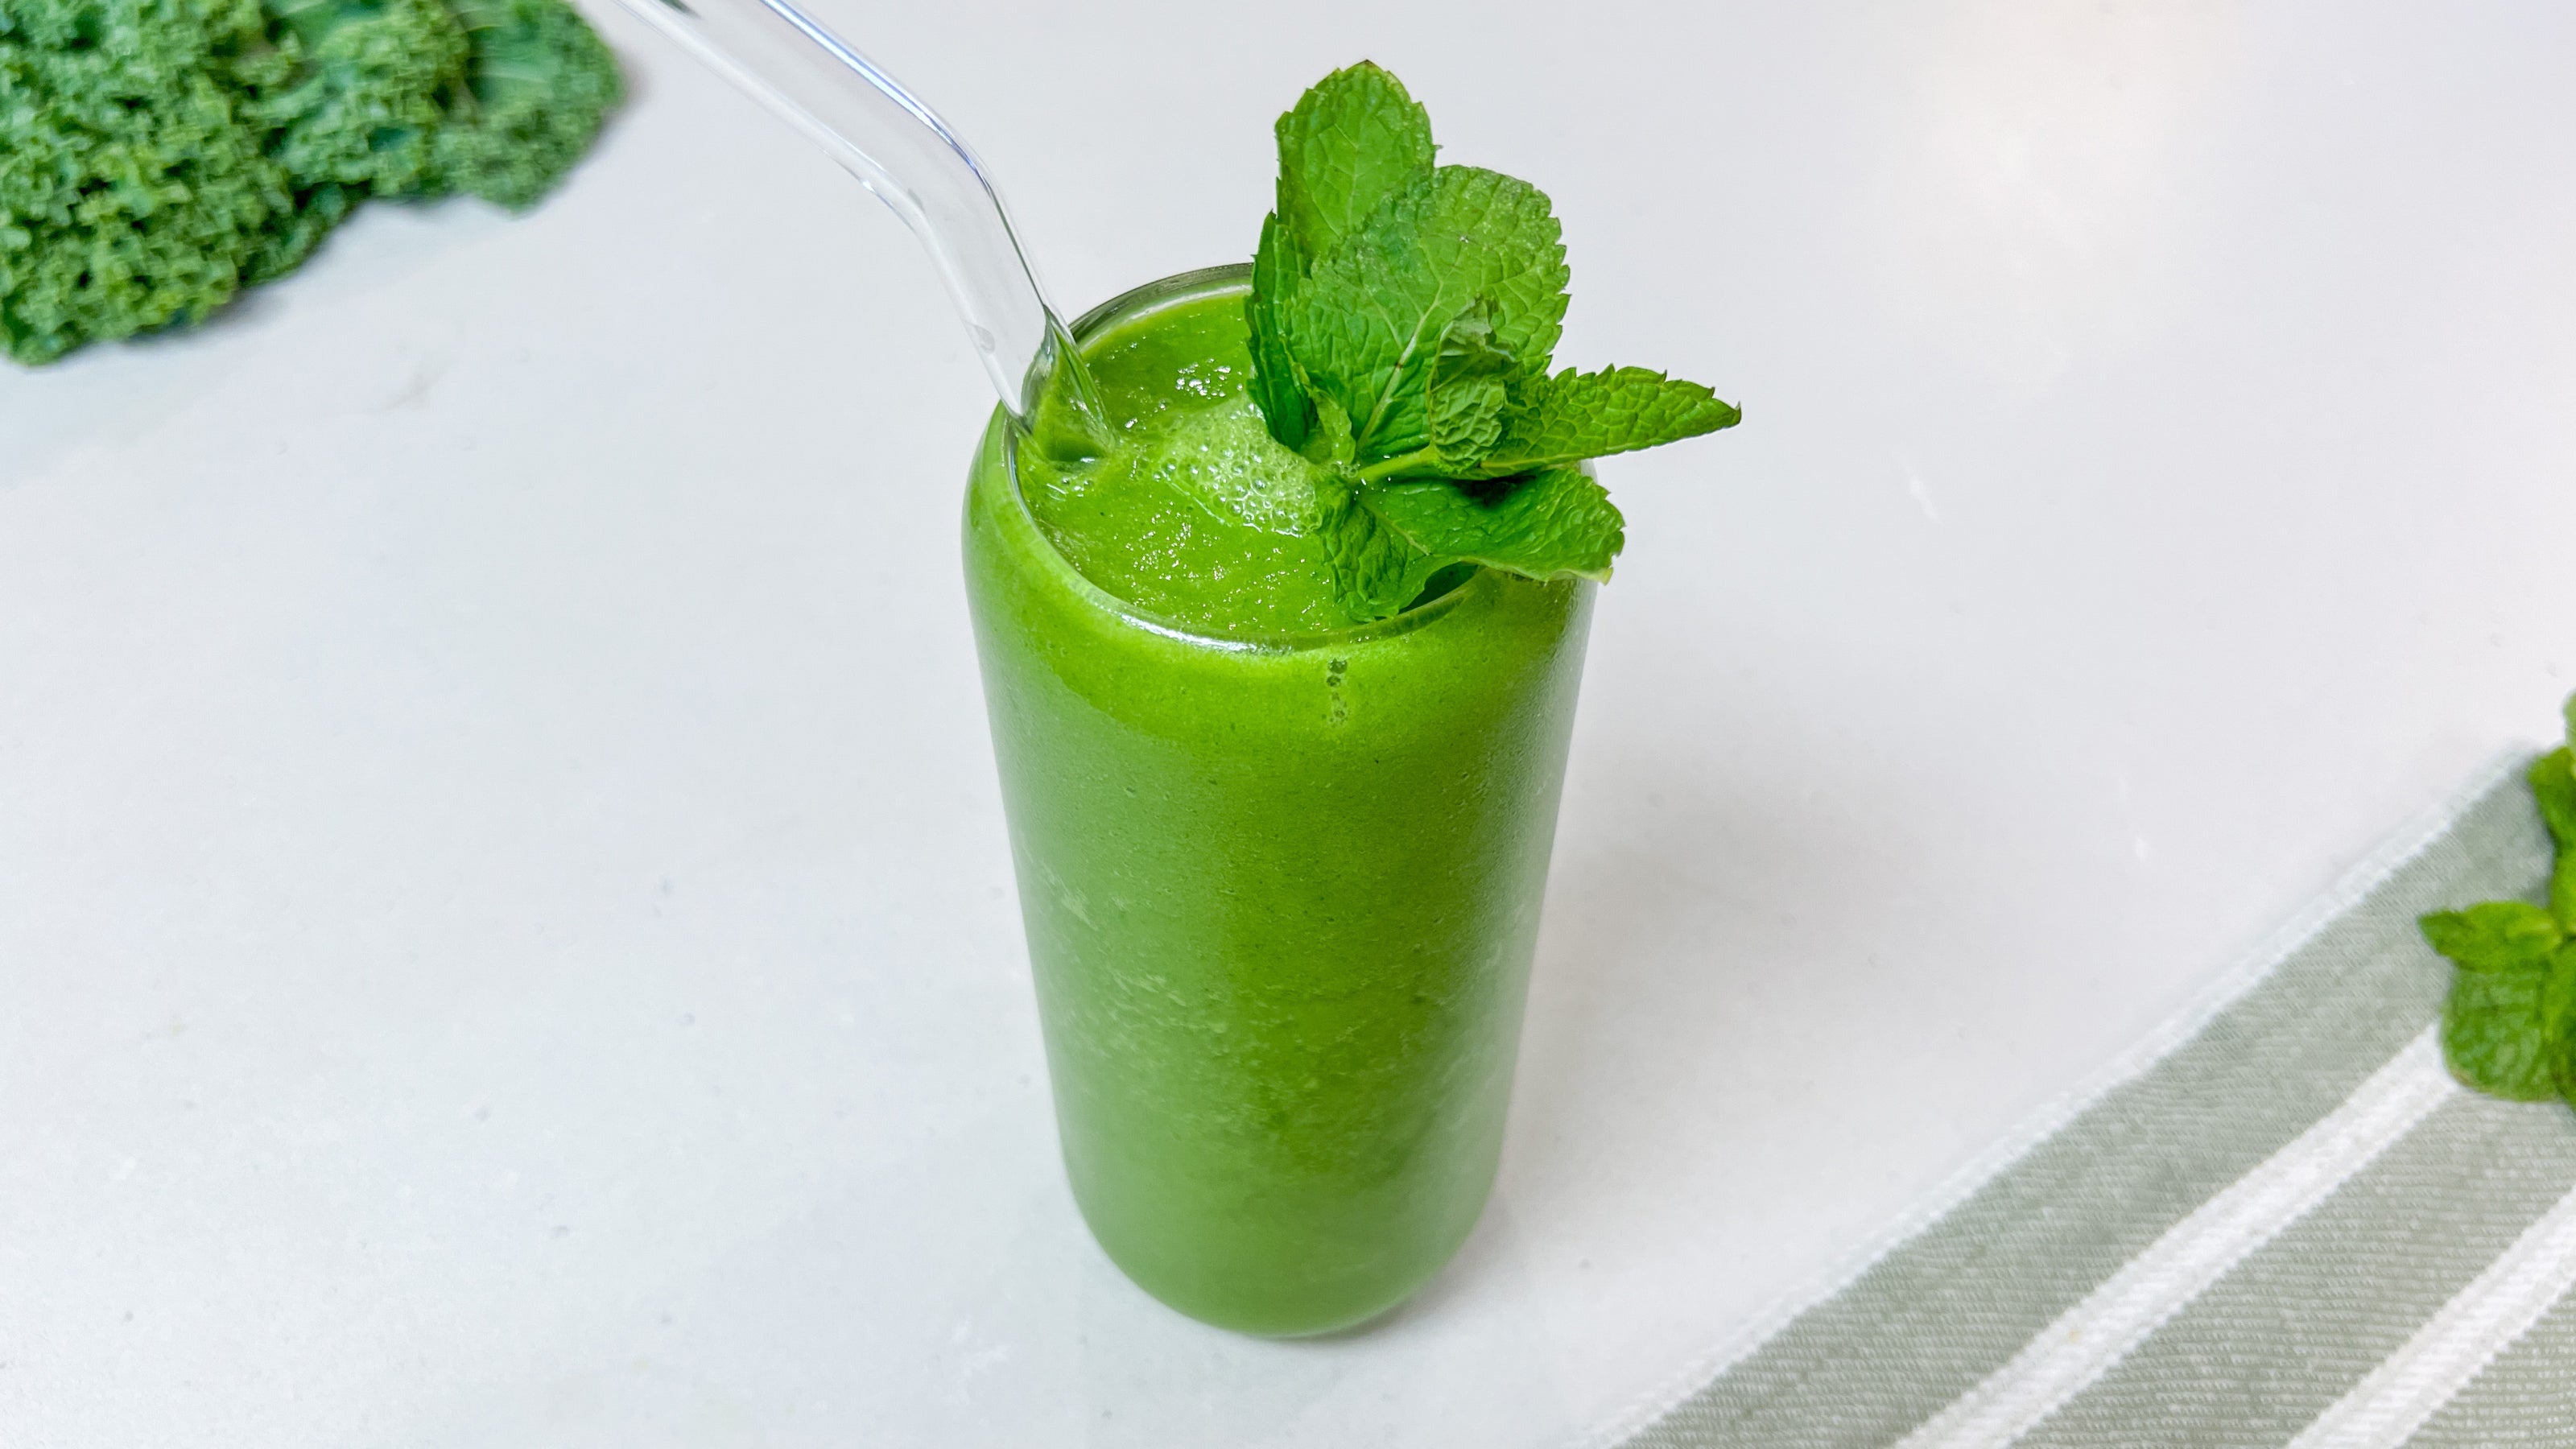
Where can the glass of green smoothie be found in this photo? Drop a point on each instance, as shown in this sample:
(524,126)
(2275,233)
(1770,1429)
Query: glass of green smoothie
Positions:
(1281,879)
(1281,683)
(1281,575)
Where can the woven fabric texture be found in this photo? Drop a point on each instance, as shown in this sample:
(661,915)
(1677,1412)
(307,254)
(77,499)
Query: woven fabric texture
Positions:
(2289,1228)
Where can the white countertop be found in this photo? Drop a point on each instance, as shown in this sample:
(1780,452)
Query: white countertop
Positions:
(505,926)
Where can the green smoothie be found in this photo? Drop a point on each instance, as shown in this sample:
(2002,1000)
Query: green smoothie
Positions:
(1280,875)
(1281,675)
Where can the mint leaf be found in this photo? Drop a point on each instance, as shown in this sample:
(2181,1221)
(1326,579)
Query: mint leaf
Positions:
(1495,237)
(1384,541)
(2504,1025)
(2496,936)
(1370,319)
(1577,415)
(2553,788)
(1464,412)
(1276,268)
(1376,570)
(1354,140)
(1552,525)
(1460,416)
(2497,1030)
(2558,1019)
(2509,1024)
(1329,441)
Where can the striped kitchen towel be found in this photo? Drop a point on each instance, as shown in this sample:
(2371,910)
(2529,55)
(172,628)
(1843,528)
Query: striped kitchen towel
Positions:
(2280,1222)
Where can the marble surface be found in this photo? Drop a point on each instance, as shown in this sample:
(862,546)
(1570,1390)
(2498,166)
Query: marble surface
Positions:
(505,926)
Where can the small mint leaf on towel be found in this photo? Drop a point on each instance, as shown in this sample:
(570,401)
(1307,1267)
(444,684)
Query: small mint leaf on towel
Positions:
(2509,1023)
(2495,1033)
(2505,1024)
(2496,936)
(2558,1018)
(2553,788)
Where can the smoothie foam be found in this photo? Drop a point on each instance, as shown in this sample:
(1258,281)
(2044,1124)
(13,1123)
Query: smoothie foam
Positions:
(1198,516)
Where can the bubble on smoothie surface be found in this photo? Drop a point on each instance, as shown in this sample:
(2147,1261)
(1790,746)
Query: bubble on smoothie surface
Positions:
(1224,459)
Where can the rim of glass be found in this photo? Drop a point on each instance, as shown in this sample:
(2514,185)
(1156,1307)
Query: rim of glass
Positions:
(1127,307)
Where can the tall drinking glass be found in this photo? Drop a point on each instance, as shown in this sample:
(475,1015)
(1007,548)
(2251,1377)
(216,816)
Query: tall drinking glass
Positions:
(1280,896)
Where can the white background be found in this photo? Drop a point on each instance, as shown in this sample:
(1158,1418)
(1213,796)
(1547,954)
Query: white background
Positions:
(505,925)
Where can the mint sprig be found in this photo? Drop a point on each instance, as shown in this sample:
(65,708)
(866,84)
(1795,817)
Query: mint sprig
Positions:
(1403,316)
(2503,1026)
(2509,1023)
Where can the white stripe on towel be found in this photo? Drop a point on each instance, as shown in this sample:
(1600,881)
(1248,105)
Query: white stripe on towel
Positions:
(2115,1318)
(2394,1400)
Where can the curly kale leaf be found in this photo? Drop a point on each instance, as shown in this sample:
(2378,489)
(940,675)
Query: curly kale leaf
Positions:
(156,156)
(489,98)
(539,84)
(132,193)
(365,108)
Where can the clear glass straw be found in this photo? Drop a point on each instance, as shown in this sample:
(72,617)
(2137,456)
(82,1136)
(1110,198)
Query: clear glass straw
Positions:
(900,150)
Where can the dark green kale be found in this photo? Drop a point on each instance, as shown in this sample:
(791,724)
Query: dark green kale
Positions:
(1403,316)
(427,98)
(134,188)
(538,86)
(368,99)
(156,156)
(356,113)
